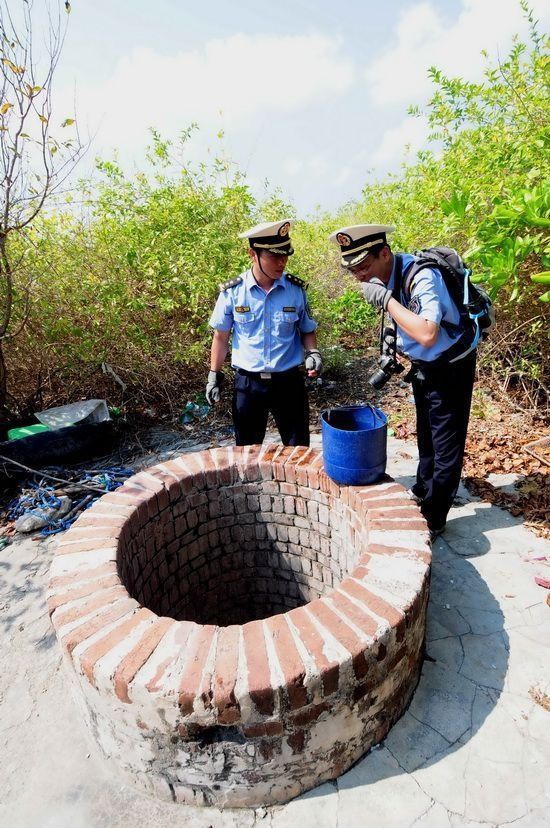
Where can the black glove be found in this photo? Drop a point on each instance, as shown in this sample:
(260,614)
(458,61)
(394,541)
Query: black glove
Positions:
(314,361)
(376,294)
(213,387)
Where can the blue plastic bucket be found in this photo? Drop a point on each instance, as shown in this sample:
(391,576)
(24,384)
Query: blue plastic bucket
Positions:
(354,444)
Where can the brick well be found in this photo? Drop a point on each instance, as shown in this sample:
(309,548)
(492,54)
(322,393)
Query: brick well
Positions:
(239,628)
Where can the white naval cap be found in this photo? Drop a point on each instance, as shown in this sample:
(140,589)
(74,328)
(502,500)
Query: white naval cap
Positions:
(272,236)
(356,241)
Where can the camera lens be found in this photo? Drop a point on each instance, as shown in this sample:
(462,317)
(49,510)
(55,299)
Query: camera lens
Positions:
(379,378)
(388,367)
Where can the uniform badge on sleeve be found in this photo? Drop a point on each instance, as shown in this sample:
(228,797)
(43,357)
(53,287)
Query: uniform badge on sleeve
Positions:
(414,305)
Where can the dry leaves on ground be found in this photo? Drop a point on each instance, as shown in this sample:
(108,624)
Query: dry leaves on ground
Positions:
(540,698)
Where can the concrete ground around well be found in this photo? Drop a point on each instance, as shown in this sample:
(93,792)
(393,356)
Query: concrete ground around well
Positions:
(472,749)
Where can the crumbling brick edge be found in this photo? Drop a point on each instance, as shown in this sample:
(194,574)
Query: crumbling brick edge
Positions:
(252,714)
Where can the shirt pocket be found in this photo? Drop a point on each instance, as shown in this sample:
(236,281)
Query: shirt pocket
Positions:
(285,322)
(244,322)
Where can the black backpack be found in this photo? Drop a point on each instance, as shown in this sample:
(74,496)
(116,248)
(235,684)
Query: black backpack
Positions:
(476,310)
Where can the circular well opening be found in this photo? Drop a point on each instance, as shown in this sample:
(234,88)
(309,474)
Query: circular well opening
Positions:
(234,554)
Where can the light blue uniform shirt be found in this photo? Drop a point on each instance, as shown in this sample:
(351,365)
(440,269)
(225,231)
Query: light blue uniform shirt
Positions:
(430,300)
(266,326)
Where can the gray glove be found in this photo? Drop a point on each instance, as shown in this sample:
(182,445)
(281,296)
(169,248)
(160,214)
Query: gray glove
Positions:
(314,361)
(213,387)
(376,294)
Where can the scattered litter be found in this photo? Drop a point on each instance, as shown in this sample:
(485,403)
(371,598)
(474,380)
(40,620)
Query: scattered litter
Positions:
(51,509)
(36,517)
(543,582)
(4,542)
(85,411)
(26,431)
(321,382)
(193,412)
(106,368)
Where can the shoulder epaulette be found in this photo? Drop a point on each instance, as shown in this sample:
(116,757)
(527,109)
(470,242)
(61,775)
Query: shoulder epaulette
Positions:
(295,280)
(231,283)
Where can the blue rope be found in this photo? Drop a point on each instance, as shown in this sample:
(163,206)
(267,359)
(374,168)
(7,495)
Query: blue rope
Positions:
(42,496)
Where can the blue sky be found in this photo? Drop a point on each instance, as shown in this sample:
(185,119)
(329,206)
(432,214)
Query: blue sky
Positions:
(311,96)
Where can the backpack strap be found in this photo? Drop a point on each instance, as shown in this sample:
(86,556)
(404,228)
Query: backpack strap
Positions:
(397,282)
(413,270)
(469,338)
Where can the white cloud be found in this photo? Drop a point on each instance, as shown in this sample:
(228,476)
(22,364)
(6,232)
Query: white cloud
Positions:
(293,166)
(315,165)
(424,39)
(234,78)
(343,175)
(318,163)
(406,138)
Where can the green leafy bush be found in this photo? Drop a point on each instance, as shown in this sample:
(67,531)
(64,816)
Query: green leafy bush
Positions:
(127,272)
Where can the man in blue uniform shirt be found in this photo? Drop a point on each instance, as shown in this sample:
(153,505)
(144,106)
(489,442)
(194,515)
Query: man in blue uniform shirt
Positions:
(265,310)
(443,368)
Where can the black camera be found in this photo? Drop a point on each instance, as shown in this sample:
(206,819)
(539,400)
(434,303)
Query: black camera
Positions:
(388,366)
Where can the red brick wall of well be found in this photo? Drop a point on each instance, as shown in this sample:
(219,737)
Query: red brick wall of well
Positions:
(238,627)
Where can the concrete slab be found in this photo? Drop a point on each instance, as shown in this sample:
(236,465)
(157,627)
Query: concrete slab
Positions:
(495,791)
(473,749)
(435,817)
(314,808)
(378,789)
(443,701)
(444,780)
(413,743)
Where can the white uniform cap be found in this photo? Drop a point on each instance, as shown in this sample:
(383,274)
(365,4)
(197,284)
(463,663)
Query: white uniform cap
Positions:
(356,241)
(272,236)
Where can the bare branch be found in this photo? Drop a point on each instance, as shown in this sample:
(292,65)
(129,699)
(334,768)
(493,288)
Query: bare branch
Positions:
(33,162)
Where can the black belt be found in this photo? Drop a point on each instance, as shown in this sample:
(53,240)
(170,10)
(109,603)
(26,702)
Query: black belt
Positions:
(267,375)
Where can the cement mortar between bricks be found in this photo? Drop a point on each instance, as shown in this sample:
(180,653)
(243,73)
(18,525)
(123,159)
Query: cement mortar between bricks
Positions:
(226,537)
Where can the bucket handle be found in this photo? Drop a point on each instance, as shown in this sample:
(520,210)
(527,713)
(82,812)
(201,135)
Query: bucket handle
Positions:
(376,414)
(368,405)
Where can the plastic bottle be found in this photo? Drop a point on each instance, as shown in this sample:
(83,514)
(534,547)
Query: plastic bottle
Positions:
(187,416)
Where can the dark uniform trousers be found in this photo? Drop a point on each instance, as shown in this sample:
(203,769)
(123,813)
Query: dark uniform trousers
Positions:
(284,395)
(442,394)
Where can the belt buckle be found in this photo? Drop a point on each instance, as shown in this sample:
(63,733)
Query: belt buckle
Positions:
(264,375)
